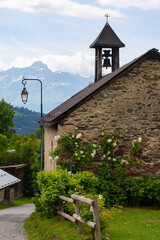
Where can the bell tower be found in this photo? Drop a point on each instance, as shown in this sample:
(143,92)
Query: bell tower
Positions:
(106,46)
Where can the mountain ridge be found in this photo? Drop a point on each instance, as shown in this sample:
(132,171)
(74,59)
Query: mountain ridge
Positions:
(57,86)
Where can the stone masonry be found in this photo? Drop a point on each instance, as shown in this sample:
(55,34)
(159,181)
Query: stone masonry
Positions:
(130,107)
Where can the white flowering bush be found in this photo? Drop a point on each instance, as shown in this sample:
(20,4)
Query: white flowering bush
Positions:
(72,148)
(135,147)
(109,144)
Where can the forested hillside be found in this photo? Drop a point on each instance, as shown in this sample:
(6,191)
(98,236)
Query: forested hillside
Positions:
(25,120)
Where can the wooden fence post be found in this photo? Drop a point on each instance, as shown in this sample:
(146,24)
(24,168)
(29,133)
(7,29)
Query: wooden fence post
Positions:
(77,210)
(60,209)
(97,229)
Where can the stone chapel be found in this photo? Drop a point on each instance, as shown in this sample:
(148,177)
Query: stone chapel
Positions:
(125,101)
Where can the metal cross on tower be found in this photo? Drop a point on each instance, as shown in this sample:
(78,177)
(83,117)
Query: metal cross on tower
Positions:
(107,16)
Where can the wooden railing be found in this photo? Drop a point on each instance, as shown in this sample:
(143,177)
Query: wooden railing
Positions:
(75,199)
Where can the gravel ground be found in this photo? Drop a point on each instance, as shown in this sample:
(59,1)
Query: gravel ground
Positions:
(11,222)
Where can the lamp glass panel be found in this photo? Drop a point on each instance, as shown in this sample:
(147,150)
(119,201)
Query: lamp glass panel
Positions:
(24,95)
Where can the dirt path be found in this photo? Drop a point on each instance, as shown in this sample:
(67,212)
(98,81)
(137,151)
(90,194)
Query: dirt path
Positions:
(11,221)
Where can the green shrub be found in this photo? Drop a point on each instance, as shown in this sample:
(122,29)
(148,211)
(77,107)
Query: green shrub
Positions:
(86,211)
(88,181)
(112,181)
(111,184)
(53,184)
(118,188)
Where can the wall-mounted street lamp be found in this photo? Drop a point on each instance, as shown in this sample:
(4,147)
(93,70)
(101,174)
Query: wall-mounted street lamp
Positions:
(24,96)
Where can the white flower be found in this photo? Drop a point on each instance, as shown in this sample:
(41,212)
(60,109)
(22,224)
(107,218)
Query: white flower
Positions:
(100,196)
(102,133)
(109,140)
(76,154)
(72,135)
(57,138)
(12,150)
(56,158)
(139,139)
(114,159)
(109,152)
(104,156)
(93,153)
(79,135)
(94,145)
(133,142)
(124,161)
(81,152)
(70,173)
(114,144)
(109,158)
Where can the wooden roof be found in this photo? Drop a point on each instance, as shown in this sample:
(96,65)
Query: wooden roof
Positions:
(107,39)
(16,166)
(56,115)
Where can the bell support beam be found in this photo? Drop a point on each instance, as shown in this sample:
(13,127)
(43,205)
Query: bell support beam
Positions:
(115,58)
(98,64)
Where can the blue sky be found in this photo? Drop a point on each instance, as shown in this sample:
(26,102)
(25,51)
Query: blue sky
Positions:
(59,32)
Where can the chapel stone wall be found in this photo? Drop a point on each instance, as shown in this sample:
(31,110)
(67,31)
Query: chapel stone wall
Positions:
(130,107)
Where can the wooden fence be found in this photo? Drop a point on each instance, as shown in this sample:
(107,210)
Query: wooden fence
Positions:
(75,198)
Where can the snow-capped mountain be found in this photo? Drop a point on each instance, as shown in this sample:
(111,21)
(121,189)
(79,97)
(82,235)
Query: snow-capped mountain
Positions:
(57,86)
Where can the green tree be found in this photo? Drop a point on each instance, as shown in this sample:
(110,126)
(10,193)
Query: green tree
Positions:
(3,142)
(6,117)
(38,133)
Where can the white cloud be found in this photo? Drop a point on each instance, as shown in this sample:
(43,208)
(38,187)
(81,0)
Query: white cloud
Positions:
(21,62)
(2,65)
(80,63)
(143,4)
(61,7)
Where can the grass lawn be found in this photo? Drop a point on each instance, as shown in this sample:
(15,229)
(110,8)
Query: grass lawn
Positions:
(129,224)
(135,224)
(41,228)
(17,202)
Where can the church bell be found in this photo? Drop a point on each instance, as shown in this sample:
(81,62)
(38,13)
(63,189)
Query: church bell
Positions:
(106,63)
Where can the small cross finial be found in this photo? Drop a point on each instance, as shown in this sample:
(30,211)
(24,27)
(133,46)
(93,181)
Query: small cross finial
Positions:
(107,16)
